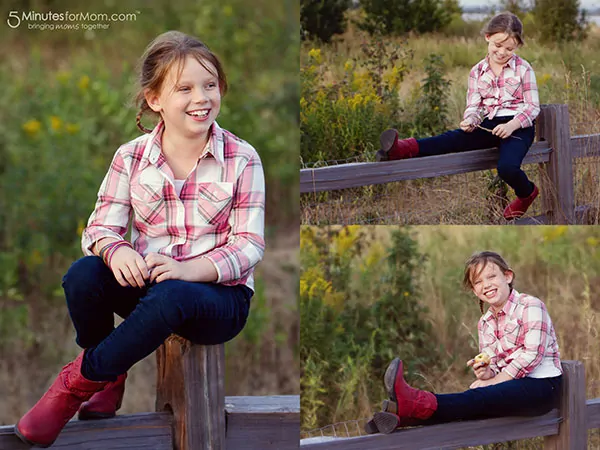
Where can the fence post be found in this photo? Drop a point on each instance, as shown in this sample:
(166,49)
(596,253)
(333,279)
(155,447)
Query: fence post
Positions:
(557,198)
(190,384)
(572,431)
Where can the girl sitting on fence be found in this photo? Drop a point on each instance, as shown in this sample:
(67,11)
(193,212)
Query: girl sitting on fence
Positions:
(194,194)
(519,374)
(502,104)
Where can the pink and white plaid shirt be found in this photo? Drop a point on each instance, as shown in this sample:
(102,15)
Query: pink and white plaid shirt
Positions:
(513,93)
(219,214)
(520,339)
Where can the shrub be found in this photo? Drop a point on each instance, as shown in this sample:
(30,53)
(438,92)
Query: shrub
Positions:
(560,20)
(321,19)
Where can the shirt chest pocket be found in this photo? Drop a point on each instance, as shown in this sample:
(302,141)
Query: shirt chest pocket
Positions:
(214,202)
(513,87)
(485,88)
(511,335)
(148,203)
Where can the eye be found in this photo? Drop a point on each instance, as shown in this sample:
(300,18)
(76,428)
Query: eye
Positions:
(211,85)
(183,88)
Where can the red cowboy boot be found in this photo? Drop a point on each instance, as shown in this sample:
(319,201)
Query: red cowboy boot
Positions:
(519,205)
(410,403)
(42,424)
(394,148)
(106,403)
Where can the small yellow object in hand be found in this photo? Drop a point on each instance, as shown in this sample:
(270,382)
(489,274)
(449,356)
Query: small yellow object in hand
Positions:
(482,358)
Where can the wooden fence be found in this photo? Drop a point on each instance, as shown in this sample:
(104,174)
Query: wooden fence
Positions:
(563,429)
(554,151)
(192,412)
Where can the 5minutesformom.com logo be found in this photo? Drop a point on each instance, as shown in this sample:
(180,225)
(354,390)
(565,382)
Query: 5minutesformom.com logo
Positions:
(15,18)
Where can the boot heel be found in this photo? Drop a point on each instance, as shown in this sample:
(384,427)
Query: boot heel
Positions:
(389,406)
(386,422)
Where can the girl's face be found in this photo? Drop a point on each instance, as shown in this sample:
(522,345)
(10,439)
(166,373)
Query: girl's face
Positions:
(492,285)
(500,47)
(189,105)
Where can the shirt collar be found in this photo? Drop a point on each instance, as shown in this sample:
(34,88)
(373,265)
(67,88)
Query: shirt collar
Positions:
(215,145)
(512,63)
(507,309)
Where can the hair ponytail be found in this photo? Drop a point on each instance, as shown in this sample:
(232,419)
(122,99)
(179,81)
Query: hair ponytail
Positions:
(138,118)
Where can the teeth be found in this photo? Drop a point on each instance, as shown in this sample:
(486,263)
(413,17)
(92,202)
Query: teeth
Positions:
(199,113)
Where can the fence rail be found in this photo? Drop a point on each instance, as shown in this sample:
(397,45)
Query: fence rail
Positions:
(554,151)
(192,412)
(563,429)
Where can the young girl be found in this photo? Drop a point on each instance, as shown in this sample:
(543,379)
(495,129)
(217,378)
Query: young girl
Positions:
(523,375)
(194,194)
(502,97)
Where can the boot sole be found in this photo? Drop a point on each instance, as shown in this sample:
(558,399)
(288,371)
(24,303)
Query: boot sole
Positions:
(27,441)
(386,422)
(386,140)
(371,427)
(389,378)
(95,416)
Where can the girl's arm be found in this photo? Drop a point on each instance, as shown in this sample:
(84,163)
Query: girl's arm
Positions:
(245,245)
(536,326)
(110,218)
(473,110)
(531,97)
(487,337)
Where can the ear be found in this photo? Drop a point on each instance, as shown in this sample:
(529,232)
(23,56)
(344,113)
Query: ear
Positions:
(510,275)
(487,37)
(153,101)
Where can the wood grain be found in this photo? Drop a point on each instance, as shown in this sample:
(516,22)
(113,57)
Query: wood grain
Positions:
(190,385)
(573,428)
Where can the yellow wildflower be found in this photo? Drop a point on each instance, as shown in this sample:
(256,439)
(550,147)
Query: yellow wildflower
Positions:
(592,241)
(55,123)
(348,66)
(36,258)
(80,227)
(72,128)
(32,127)
(84,82)
(303,103)
(315,55)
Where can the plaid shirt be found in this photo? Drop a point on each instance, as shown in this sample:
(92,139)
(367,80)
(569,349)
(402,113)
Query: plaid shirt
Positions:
(520,339)
(513,93)
(219,214)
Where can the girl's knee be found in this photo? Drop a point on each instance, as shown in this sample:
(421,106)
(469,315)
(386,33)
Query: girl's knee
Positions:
(85,271)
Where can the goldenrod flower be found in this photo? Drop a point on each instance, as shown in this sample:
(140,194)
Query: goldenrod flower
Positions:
(592,241)
(72,128)
(55,123)
(348,66)
(315,55)
(32,127)
(63,77)
(84,82)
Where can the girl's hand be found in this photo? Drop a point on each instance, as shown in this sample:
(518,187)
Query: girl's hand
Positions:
(482,370)
(163,268)
(467,126)
(482,383)
(505,130)
(129,268)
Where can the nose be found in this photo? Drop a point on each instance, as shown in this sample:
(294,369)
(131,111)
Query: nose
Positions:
(200,96)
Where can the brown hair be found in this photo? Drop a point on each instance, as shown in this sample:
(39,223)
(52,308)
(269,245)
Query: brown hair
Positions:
(481,260)
(505,22)
(168,49)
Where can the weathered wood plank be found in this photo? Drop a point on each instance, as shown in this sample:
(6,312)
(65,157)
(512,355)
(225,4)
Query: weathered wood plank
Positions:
(190,384)
(451,435)
(554,127)
(257,423)
(263,404)
(364,174)
(572,433)
(593,413)
(137,431)
(584,146)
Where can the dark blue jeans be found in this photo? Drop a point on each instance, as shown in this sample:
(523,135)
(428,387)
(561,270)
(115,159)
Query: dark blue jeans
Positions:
(520,397)
(512,150)
(204,313)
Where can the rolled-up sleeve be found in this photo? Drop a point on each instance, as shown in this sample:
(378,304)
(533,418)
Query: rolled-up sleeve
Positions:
(111,214)
(245,244)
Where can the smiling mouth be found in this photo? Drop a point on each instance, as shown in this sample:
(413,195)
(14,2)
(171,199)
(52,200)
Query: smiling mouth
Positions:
(491,293)
(199,113)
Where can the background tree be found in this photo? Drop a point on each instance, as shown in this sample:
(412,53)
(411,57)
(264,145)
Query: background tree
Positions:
(321,19)
(560,20)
